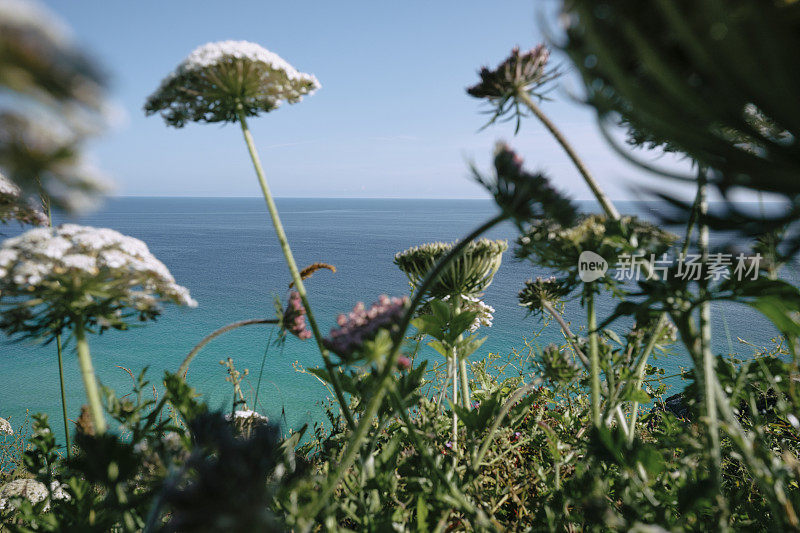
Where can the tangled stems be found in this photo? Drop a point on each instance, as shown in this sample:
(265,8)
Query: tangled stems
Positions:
(184,368)
(296,278)
(510,402)
(605,203)
(364,423)
(89,379)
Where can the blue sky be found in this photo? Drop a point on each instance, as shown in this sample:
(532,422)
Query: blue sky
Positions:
(391,120)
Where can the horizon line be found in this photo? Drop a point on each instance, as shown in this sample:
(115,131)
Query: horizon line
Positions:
(116,196)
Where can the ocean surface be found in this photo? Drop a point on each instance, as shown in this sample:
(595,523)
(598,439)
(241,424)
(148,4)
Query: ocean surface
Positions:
(225,251)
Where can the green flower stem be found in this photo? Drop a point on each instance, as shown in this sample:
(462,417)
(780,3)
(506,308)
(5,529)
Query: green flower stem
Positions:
(567,333)
(365,422)
(455,402)
(465,393)
(594,354)
(298,281)
(59,346)
(462,364)
(640,368)
(89,379)
(604,201)
(709,362)
(662,318)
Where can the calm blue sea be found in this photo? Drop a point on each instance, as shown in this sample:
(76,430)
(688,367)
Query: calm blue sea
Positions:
(225,252)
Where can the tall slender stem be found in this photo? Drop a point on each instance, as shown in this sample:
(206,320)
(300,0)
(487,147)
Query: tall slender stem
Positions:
(594,354)
(295,273)
(709,362)
(640,368)
(261,372)
(462,362)
(89,378)
(60,349)
(455,402)
(59,346)
(567,333)
(365,422)
(604,201)
(662,320)
(465,393)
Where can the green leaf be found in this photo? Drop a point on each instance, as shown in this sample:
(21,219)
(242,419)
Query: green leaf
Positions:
(469,345)
(633,394)
(441,347)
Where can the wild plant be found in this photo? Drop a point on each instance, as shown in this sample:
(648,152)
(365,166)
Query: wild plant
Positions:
(54,101)
(553,438)
(82,280)
(227,82)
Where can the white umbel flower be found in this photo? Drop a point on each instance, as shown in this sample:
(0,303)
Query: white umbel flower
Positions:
(247,414)
(213,54)
(219,79)
(485,312)
(32,490)
(97,273)
(485,316)
(82,250)
(5,427)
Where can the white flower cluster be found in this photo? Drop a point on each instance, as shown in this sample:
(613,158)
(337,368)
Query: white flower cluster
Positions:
(34,491)
(485,314)
(5,427)
(247,415)
(278,78)
(85,252)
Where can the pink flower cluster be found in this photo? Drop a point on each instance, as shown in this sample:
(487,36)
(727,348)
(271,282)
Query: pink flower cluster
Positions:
(294,317)
(362,324)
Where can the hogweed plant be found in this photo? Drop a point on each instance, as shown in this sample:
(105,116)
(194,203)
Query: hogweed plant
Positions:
(461,284)
(82,280)
(512,86)
(229,81)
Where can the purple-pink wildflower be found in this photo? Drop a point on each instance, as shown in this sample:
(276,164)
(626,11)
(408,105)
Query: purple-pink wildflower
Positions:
(403,362)
(294,317)
(362,324)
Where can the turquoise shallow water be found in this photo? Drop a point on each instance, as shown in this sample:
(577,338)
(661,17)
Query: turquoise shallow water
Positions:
(225,252)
